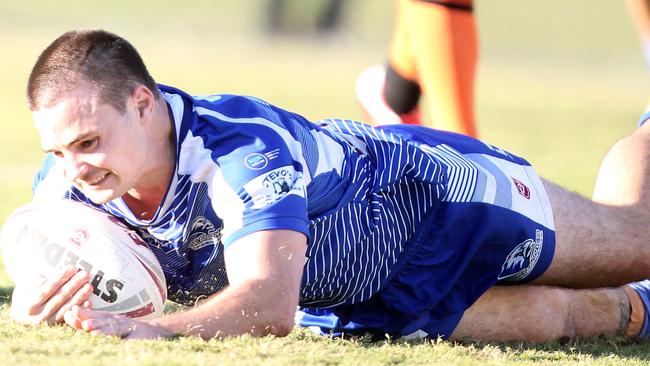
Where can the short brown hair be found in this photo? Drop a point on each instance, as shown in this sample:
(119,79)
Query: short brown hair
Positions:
(103,60)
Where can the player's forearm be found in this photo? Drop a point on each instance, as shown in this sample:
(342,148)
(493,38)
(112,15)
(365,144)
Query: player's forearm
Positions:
(251,308)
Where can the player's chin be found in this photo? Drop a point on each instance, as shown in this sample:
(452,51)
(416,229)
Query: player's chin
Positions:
(100,196)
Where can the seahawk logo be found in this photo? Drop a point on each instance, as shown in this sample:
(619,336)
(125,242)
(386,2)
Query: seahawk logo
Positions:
(522,259)
(203,233)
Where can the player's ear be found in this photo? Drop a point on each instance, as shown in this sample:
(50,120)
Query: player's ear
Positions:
(144,100)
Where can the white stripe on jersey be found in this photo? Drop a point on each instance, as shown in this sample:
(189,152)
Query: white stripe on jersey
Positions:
(535,207)
(330,152)
(460,172)
(196,162)
(176,105)
(468,173)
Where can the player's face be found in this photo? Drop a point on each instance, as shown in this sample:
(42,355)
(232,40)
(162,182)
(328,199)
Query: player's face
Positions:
(103,151)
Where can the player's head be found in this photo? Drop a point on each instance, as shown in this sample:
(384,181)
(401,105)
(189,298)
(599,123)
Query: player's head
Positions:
(98,111)
(102,61)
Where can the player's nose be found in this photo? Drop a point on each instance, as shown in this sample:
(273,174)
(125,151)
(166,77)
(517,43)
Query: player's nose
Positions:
(75,167)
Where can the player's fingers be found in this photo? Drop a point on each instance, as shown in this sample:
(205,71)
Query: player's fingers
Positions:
(53,284)
(84,313)
(119,326)
(28,300)
(65,293)
(80,297)
(91,318)
(86,319)
(70,319)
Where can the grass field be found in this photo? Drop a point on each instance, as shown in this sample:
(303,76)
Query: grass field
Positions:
(558,83)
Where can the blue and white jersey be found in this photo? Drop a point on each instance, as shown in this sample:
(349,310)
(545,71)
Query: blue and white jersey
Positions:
(358,193)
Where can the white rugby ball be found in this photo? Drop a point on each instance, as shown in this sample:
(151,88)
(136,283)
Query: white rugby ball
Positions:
(40,238)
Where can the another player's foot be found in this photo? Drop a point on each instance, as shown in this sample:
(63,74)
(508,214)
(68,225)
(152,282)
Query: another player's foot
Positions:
(370,94)
(639,308)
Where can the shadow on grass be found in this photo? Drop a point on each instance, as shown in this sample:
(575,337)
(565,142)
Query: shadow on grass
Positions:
(5,295)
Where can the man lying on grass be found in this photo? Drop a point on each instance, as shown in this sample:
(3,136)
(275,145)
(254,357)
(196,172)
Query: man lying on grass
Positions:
(399,230)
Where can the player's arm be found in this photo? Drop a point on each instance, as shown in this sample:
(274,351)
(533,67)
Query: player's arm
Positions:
(264,271)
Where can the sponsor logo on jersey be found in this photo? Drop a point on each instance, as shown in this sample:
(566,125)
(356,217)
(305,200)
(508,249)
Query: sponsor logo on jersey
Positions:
(257,161)
(522,259)
(522,188)
(203,233)
(275,184)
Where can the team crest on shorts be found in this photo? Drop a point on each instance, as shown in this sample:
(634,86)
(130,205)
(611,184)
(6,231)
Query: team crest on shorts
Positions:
(522,259)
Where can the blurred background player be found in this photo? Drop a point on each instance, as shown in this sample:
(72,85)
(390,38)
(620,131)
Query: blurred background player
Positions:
(285,17)
(433,52)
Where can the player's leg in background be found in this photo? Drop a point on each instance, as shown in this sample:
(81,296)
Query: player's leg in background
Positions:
(444,43)
(605,241)
(640,12)
(390,94)
(402,90)
(542,313)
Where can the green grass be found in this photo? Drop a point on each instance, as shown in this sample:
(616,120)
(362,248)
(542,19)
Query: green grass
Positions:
(558,83)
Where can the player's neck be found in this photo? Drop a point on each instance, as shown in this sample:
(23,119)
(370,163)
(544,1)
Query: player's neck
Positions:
(143,206)
(144,199)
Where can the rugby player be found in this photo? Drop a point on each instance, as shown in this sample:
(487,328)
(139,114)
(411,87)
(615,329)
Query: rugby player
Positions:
(253,210)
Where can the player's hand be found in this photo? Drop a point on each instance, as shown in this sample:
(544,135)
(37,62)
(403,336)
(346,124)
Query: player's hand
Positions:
(49,300)
(104,323)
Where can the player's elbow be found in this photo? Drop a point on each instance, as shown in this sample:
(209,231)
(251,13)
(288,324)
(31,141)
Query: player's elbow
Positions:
(281,328)
(281,321)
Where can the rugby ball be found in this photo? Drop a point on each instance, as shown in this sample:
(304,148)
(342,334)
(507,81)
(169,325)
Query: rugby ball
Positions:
(40,238)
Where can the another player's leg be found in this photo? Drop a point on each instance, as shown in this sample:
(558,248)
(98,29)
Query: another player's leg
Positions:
(444,42)
(541,313)
(623,177)
(640,12)
(390,94)
(604,242)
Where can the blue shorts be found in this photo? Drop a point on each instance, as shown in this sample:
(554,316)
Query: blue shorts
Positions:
(504,235)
